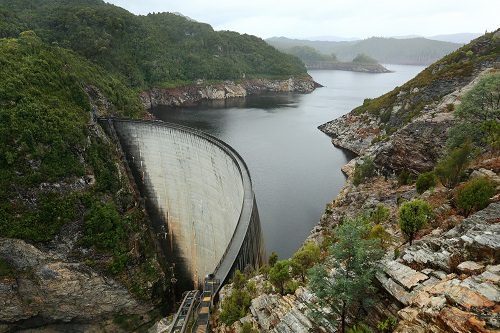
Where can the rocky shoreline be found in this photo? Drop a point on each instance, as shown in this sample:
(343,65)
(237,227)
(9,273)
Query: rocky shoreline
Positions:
(192,94)
(348,66)
(448,279)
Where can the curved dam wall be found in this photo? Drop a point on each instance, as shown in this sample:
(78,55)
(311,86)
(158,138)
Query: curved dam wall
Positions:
(200,192)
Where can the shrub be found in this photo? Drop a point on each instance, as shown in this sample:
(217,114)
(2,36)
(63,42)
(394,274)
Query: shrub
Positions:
(104,226)
(235,306)
(378,232)
(404,178)
(279,274)
(478,115)
(396,254)
(380,214)
(247,328)
(387,325)
(291,287)
(474,195)
(450,168)
(360,328)
(385,116)
(426,181)
(413,216)
(304,258)
(273,259)
(363,170)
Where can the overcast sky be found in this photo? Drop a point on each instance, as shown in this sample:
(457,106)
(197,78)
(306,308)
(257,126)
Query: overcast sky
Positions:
(344,18)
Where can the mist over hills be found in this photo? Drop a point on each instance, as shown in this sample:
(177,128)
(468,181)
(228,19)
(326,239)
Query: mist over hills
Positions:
(464,38)
(406,51)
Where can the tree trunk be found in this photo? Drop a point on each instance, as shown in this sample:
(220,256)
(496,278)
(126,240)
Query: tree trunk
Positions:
(342,316)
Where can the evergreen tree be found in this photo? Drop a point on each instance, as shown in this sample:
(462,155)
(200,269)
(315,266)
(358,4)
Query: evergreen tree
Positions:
(345,280)
(279,274)
(413,216)
(304,259)
(479,115)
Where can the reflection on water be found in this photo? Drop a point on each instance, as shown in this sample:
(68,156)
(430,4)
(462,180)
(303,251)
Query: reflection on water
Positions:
(264,102)
(294,167)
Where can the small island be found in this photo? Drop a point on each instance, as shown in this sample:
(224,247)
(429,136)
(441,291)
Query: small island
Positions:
(313,59)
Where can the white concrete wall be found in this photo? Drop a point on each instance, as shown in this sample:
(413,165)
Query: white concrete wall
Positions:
(195,183)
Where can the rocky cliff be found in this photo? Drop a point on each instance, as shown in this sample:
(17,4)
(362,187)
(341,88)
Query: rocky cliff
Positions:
(448,279)
(190,95)
(51,289)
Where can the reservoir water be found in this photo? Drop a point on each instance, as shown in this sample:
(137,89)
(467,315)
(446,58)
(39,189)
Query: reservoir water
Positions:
(294,167)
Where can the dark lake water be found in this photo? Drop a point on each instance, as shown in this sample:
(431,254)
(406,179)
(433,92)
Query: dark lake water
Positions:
(294,167)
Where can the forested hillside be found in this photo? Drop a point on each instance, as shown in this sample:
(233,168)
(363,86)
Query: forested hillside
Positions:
(62,188)
(162,49)
(413,51)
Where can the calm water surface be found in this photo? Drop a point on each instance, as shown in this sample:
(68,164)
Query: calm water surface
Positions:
(294,167)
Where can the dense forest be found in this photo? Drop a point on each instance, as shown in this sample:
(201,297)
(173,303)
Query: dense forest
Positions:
(161,49)
(412,51)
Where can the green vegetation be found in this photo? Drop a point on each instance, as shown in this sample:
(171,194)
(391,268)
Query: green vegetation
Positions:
(345,280)
(379,214)
(43,134)
(426,181)
(474,195)
(306,257)
(458,66)
(236,306)
(413,215)
(362,58)
(363,170)
(310,55)
(479,115)
(450,168)
(50,156)
(273,259)
(247,328)
(313,59)
(379,233)
(360,328)
(279,274)
(161,49)
(405,178)
(388,325)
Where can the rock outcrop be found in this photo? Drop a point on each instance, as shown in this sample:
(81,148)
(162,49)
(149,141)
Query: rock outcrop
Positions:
(413,147)
(53,290)
(190,95)
(456,286)
(448,279)
(442,283)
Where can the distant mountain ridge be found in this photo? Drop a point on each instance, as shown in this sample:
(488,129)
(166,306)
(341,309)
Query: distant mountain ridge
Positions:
(463,38)
(412,51)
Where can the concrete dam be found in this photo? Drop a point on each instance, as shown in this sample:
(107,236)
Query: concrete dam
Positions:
(199,196)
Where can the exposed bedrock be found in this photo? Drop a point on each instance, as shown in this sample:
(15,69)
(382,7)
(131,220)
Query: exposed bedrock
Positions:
(189,95)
